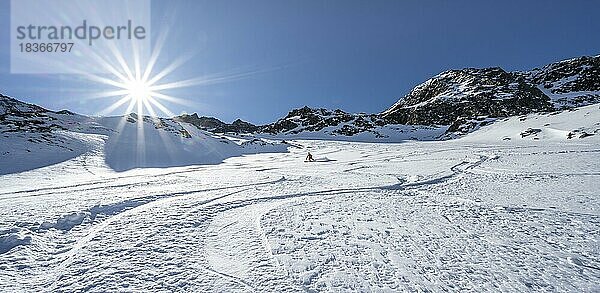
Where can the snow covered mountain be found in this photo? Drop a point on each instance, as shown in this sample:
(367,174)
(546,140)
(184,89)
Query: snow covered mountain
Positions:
(313,123)
(447,106)
(570,83)
(17,116)
(308,119)
(468,93)
(465,99)
(32,137)
(459,102)
(492,92)
(217,126)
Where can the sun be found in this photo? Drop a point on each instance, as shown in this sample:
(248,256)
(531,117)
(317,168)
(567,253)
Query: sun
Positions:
(141,86)
(138,90)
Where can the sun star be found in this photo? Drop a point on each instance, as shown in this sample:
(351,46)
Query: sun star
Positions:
(141,87)
(138,90)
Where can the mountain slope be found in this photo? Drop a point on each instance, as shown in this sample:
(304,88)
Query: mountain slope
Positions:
(319,123)
(215,125)
(447,106)
(458,101)
(576,125)
(468,93)
(455,96)
(517,215)
(308,119)
(569,83)
(33,137)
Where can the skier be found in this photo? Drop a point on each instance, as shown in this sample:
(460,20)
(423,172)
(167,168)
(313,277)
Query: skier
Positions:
(309,158)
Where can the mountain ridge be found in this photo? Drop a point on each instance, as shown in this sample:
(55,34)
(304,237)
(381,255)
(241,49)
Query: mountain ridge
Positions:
(462,100)
(465,99)
(32,137)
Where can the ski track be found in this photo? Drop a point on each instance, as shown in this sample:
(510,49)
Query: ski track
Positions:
(365,221)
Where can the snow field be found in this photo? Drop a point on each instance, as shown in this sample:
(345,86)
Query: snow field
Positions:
(474,214)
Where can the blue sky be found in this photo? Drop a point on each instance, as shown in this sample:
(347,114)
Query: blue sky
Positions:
(360,56)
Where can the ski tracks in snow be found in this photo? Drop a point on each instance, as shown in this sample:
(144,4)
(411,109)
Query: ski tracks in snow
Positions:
(395,219)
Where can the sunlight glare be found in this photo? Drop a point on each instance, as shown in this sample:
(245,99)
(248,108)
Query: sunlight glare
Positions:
(138,90)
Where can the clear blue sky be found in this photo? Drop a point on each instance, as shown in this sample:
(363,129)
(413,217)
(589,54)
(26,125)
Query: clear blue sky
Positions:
(360,56)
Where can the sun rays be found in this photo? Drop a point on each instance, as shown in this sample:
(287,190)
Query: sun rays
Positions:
(132,82)
(135,81)
(140,84)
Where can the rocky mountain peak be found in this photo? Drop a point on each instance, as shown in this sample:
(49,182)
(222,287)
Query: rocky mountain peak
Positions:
(569,83)
(336,122)
(215,125)
(469,92)
(12,106)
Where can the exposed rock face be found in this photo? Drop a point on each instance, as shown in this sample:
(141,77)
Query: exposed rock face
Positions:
(201,122)
(467,94)
(570,83)
(9,105)
(312,120)
(240,126)
(463,126)
(17,116)
(40,124)
(215,125)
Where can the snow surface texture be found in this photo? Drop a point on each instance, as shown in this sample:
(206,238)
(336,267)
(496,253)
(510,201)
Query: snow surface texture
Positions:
(482,213)
(576,124)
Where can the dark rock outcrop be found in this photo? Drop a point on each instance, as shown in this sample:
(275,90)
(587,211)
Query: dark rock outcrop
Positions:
(316,119)
(569,83)
(468,94)
(215,125)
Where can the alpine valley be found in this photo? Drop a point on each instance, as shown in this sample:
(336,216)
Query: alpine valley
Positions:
(476,180)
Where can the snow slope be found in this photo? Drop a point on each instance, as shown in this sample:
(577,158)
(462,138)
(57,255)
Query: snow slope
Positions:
(577,124)
(32,137)
(27,151)
(166,143)
(476,214)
